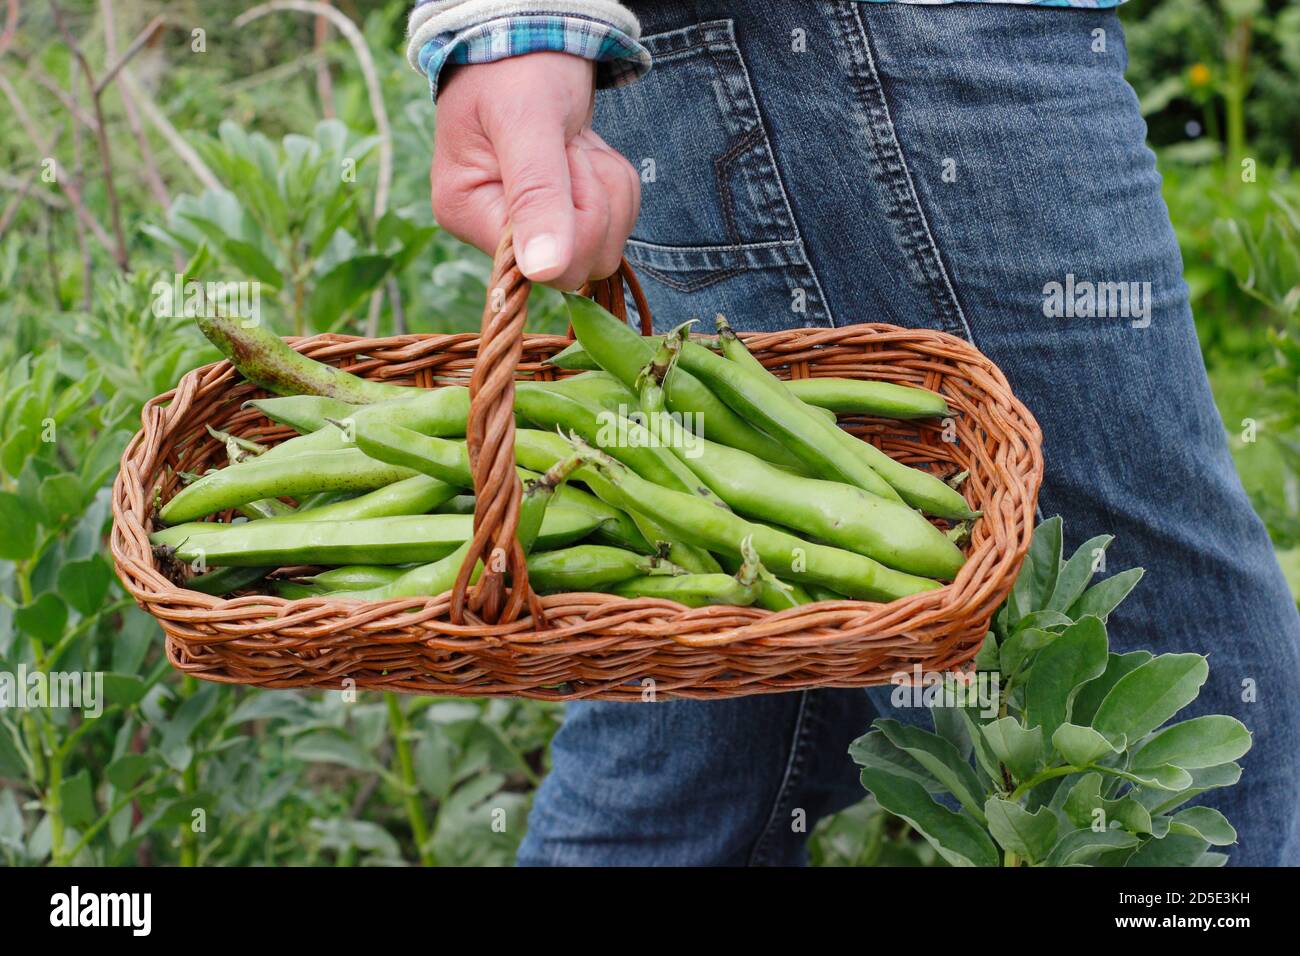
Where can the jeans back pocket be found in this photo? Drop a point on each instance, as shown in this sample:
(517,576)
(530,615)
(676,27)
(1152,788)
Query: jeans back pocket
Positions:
(716,231)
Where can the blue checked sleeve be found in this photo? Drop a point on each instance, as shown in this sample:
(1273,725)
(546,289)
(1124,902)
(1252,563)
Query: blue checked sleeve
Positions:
(619,58)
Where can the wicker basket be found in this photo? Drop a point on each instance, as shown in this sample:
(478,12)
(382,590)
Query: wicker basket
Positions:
(491,640)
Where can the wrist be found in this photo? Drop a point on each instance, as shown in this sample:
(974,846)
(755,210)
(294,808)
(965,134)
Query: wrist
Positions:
(552,70)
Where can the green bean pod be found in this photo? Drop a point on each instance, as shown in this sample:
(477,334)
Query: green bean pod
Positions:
(735,350)
(790,557)
(761,397)
(224,580)
(623,353)
(345,469)
(595,388)
(458,505)
(573,358)
(920,489)
(693,590)
(540,450)
(441,458)
(851,396)
(407,539)
(264,358)
(829,511)
(427,580)
(592,567)
(411,496)
(416,495)
(536,496)
(303,413)
(438,411)
(538,493)
(353,577)
(624,438)
(846,396)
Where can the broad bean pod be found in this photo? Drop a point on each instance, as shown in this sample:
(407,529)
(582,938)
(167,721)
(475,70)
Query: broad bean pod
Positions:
(786,555)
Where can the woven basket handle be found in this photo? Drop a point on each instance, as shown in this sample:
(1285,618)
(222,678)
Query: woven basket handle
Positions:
(490,437)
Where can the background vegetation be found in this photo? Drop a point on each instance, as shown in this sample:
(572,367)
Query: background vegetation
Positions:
(232,137)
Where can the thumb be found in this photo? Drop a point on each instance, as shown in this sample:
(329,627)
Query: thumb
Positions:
(539,198)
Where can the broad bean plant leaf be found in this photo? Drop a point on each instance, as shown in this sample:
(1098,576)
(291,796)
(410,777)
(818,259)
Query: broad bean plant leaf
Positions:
(1086,808)
(1210,778)
(1042,565)
(1061,669)
(1029,835)
(1204,822)
(1094,692)
(877,752)
(944,762)
(1077,572)
(1077,760)
(958,839)
(293,217)
(1101,599)
(1083,745)
(1195,744)
(1019,748)
(1147,696)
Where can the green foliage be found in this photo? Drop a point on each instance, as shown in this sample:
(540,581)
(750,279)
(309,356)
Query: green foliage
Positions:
(1264,258)
(169,770)
(1231,67)
(291,219)
(1073,759)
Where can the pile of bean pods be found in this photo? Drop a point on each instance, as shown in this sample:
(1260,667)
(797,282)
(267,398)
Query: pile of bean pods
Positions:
(667,467)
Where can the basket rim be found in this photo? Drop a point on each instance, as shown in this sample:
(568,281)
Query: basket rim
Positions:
(391,357)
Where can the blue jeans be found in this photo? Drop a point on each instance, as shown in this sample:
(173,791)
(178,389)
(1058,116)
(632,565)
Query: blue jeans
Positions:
(831,163)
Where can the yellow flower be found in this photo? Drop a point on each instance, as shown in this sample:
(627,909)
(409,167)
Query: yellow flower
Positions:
(1198,75)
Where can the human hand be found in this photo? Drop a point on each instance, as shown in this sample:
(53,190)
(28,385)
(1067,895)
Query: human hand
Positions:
(514,145)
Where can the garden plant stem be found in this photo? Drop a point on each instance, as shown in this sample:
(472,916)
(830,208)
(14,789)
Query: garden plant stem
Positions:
(400,730)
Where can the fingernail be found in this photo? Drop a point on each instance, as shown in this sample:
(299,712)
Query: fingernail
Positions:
(540,253)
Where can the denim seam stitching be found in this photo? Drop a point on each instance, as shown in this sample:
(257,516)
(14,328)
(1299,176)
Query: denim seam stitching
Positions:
(694,49)
(721,167)
(918,241)
(776,175)
(693,286)
(659,247)
(706,35)
(743,109)
(793,774)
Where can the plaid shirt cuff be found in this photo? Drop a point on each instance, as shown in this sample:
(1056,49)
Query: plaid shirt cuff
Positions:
(619,58)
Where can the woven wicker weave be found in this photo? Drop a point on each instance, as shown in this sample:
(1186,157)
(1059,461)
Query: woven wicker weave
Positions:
(490,640)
